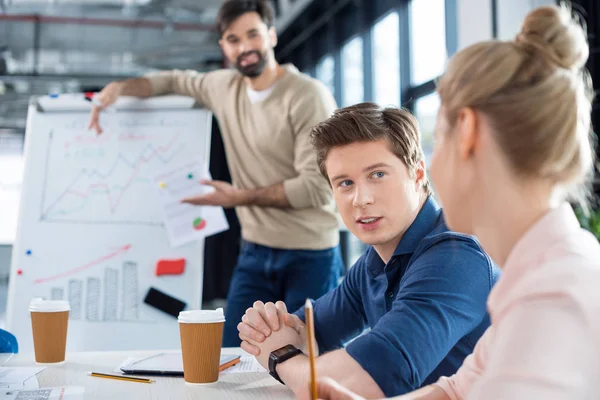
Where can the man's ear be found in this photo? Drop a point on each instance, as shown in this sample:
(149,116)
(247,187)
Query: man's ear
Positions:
(420,174)
(273,36)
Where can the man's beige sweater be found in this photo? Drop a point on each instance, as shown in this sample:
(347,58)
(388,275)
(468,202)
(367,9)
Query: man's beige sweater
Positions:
(267,143)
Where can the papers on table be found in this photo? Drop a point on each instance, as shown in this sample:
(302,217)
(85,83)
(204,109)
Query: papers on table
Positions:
(19,377)
(5,357)
(184,222)
(247,364)
(53,393)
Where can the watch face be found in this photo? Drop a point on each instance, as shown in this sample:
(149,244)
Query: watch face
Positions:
(284,350)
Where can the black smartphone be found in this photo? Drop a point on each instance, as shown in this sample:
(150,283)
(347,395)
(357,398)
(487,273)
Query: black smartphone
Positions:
(164,302)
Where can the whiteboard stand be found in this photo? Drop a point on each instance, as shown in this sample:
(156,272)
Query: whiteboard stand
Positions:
(90,228)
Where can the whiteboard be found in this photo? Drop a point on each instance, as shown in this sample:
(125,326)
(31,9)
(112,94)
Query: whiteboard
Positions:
(90,228)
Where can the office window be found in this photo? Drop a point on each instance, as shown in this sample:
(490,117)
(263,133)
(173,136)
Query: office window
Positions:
(352,72)
(426,109)
(310,71)
(386,61)
(325,72)
(11,176)
(428,39)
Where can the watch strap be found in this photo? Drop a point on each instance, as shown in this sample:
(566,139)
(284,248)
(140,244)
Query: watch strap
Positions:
(274,359)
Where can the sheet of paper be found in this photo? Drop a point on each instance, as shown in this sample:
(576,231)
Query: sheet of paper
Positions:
(31,383)
(51,393)
(5,357)
(246,364)
(18,375)
(186,223)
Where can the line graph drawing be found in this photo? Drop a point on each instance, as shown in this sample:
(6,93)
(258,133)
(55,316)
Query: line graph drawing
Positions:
(93,173)
(108,180)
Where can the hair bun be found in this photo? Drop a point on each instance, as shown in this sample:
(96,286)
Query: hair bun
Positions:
(554,33)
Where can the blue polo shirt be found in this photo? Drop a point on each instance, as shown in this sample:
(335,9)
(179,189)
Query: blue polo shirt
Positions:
(426,307)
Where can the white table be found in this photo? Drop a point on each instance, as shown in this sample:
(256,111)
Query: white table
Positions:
(73,372)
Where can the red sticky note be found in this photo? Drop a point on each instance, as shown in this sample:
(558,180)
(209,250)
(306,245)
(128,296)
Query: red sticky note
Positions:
(170,267)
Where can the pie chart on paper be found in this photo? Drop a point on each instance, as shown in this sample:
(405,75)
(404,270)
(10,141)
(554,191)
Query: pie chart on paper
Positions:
(199,224)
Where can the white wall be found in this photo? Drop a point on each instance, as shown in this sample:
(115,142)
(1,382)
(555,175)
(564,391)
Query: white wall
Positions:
(474,21)
(511,14)
(475,18)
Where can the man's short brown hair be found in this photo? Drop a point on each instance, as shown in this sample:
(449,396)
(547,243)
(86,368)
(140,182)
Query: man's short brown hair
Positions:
(366,122)
(233,9)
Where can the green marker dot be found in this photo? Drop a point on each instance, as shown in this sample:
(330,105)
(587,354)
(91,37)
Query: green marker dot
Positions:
(190,176)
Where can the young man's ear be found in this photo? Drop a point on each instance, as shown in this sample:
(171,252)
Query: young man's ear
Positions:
(273,36)
(420,175)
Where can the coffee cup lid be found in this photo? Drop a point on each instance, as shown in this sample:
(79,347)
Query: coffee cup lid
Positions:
(201,316)
(40,305)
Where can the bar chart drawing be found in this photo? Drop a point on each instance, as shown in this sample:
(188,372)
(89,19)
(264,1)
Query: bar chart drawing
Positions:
(111,290)
(92,304)
(104,297)
(130,292)
(75,298)
(57,294)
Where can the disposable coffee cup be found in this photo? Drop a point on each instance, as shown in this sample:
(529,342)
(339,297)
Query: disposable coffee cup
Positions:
(49,321)
(201,334)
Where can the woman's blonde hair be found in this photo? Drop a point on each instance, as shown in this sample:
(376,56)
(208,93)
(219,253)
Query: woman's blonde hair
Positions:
(536,94)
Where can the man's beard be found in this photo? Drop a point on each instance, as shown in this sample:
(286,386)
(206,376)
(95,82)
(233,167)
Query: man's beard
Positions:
(255,69)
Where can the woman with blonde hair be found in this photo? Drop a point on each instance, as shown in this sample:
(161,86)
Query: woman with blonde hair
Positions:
(513,143)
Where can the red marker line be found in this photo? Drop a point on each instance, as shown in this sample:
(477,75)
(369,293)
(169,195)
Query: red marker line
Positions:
(84,267)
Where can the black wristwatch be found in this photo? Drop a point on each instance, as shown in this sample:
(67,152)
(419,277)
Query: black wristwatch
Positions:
(280,355)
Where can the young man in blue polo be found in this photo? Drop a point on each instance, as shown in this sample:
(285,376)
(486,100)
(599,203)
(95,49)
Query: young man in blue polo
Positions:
(420,288)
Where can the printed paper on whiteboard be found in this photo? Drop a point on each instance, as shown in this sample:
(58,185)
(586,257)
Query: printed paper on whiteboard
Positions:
(185,222)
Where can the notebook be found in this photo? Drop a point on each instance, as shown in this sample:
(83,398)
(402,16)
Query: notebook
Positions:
(169,364)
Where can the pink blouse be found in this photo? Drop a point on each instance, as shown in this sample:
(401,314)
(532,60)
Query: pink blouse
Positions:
(544,341)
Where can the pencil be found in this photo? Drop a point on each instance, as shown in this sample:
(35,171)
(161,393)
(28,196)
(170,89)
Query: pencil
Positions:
(120,377)
(229,364)
(310,337)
